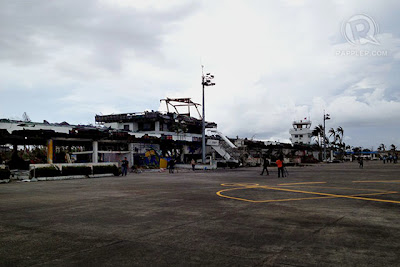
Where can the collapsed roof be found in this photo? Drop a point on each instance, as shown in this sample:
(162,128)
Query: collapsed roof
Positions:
(152,116)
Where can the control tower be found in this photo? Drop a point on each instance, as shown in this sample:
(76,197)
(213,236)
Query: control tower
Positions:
(301,133)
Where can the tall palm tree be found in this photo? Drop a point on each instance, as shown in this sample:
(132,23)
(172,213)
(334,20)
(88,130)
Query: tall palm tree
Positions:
(339,137)
(332,132)
(318,133)
(339,132)
(381,147)
(393,147)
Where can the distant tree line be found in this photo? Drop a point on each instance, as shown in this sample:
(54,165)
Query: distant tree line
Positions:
(334,141)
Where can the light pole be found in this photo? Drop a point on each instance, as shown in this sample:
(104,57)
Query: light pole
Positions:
(205,81)
(326,117)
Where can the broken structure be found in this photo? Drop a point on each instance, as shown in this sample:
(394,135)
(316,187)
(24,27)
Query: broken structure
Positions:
(148,138)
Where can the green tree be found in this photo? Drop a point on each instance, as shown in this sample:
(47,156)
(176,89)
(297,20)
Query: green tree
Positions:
(382,147)
(332,133)
(339,134)
(339,138)
(318,134)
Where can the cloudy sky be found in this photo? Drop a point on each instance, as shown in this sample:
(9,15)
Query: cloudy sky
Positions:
(273,61)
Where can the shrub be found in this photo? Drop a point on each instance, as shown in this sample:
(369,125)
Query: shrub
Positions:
(45,172)
(106,169)
(79,170)
(4,174)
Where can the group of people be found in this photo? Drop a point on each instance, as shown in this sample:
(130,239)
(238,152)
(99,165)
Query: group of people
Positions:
(279,164)
(266,163)
(390,159)
(171,166)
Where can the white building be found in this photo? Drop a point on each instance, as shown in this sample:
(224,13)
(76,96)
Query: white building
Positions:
(301,133)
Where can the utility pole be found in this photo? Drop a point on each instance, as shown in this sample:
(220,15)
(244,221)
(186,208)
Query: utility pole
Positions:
(205,81)
(326,117)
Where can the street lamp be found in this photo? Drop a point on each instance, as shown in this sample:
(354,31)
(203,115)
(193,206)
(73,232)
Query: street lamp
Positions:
(326,117)
(206,80)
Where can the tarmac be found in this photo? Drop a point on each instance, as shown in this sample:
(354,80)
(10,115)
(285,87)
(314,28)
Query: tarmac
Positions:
(320,215)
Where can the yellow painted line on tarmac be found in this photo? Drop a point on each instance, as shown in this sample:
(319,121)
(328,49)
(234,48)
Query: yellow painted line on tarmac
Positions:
(323,195)
(219,193)
(346,188)
(240,184)
(382,181)
(338,196)
(304,183)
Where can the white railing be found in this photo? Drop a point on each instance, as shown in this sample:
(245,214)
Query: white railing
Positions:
(61,165)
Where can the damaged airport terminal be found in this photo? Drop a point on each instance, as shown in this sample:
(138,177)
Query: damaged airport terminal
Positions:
(148,139)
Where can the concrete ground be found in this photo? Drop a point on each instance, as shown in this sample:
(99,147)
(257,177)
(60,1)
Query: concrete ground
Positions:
(320,215)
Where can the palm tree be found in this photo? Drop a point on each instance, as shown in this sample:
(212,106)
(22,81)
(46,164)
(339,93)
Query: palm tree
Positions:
(339,132)
(339,137)
(393,147)
(337,141)
(332,132)
(318,133)
(357,149)
(382,147)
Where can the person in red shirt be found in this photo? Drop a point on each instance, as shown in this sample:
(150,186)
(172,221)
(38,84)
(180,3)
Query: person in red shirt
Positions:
(279,163)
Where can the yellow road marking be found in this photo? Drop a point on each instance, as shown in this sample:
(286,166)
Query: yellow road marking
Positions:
(334,195)
(325,195)
(304,183)
(382,181)
(346,188)
(240,184)
(219,193)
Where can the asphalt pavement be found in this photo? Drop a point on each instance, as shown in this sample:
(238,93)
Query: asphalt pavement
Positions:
(319,215)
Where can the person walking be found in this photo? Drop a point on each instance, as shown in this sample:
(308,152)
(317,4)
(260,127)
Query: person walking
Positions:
(193,162)
(124,166)
(171,165)
(361,162)
(279,164)
(265,166)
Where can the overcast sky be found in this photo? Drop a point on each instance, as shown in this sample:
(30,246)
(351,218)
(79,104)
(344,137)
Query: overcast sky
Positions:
(273,61)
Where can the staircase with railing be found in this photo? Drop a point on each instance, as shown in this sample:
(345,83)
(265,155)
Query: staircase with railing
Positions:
(225,148)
